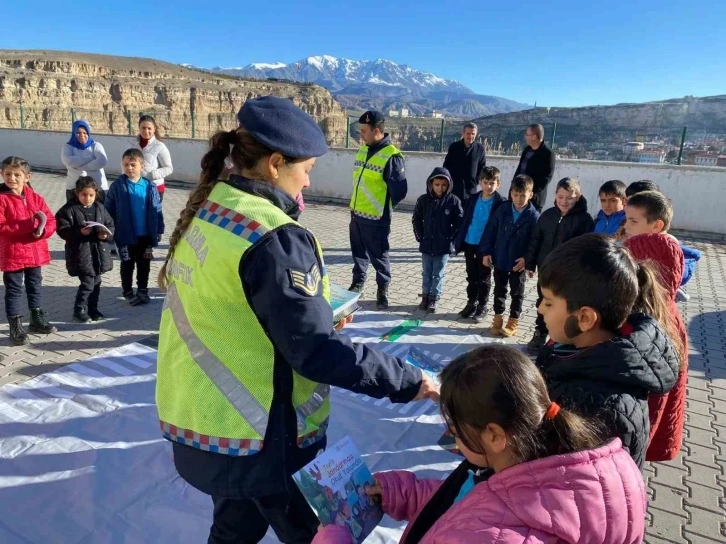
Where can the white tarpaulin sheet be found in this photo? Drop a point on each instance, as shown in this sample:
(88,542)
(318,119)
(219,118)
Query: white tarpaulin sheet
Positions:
(82,460)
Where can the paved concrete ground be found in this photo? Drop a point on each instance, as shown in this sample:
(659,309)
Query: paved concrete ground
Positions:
(688,495)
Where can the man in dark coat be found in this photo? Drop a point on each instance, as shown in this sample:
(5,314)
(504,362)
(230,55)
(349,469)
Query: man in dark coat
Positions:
(465,160)
(538,162)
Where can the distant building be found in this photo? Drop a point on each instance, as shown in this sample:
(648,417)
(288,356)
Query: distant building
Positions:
(630,148)
(404,112)
(706,159)
(394,113)
(651,157)
(436,115)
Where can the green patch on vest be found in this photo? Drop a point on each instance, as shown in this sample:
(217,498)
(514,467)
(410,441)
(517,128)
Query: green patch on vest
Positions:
(307,283)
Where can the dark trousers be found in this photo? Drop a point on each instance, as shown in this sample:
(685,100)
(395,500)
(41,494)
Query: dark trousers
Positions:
(161,197)
(515,282)
(478,276)
(134,256)
(539,322)
(88,293)
(246,521)
(369,244)
(13,282)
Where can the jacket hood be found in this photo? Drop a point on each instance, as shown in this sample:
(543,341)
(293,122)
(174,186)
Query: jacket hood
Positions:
(666,252)
(438,172)
(642,356)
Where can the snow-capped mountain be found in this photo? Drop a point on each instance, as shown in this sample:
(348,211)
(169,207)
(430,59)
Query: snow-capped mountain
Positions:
(381,84)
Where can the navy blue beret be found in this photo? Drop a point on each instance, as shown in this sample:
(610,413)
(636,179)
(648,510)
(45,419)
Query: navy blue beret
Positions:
(371,118)
(283,127)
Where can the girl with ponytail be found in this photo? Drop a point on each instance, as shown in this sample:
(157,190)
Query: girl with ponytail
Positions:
(611,342)
(534,471)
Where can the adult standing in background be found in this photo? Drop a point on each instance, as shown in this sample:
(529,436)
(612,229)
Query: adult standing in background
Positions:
(465,160)
(537,162)
(379,184)
(83,154)
(157,159)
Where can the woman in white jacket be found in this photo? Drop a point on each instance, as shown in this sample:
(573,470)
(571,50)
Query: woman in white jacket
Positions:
(82,154)
(157,160)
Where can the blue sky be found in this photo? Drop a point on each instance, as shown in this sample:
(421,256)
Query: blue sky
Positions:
(556,52)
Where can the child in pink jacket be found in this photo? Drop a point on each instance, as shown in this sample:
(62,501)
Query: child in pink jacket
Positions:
(533,472)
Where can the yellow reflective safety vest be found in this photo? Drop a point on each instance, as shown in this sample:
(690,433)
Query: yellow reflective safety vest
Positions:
(369,187)
(215,363)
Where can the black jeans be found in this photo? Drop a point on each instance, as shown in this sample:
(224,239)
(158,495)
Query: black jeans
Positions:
(539,322)
(88,292)
(478,276)
(13,282)
(515,281)
(135,257)
(246,521)
(369,244)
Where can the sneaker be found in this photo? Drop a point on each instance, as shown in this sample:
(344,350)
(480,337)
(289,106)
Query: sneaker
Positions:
(468,310)
(96,315)
(510,329)
(18,336)
(143,296)
(129,296)
(356,287)
(432,305)
(497,324)
(682,295)
(424,302)
(479,313)
(80,316)
(382,298)
(537,343)
(39,324)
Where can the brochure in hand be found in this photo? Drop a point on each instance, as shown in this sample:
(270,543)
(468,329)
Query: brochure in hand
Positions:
(432,367)
(334,484)
(98,225)
(342,302)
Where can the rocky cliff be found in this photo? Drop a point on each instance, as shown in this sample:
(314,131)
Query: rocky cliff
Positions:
(48,89)
(697,113)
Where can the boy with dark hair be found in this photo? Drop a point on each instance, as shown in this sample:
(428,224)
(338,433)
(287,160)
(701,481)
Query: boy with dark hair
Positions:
(504,245)
(436,221)
(567,219)
(640,187)
(477,212)
(135,207)
(612,203)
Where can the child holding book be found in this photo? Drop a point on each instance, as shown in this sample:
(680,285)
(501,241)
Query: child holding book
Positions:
(87,252)
(134,205)
(26,223)
(504,245)
(436,222)
(496,404)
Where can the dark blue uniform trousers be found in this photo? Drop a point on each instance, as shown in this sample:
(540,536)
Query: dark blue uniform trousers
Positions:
(369,244)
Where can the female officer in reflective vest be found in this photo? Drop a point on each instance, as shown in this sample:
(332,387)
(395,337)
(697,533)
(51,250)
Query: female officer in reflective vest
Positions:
(247,348)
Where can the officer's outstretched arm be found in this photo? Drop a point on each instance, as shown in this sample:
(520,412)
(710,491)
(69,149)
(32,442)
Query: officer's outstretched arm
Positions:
(282,280)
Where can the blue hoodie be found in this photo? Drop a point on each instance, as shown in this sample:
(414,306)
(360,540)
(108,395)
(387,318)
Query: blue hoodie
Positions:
(609,224)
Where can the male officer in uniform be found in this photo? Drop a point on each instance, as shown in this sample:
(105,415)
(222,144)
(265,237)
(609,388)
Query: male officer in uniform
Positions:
(379,184)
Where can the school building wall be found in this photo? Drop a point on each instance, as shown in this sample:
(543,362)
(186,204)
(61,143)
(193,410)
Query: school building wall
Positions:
(698,192)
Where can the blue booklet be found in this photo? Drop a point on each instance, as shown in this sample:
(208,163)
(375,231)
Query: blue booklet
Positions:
(428,364)
(342,302)
(334,484)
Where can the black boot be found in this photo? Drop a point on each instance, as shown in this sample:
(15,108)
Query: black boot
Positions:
(80,315)
(469,309)
(39,324)
(432,305)
(95,315)
(18,337)
(479,313)
(356,287)
(143,296)
(537,343)
(382,298)
(424,302)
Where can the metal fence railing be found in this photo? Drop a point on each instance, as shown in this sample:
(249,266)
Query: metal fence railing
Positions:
(674,145)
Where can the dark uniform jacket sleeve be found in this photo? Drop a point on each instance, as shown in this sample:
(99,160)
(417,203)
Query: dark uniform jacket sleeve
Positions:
(300,325)
(394,174)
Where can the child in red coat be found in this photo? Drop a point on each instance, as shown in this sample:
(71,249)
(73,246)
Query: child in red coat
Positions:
(26,223)
(648,216)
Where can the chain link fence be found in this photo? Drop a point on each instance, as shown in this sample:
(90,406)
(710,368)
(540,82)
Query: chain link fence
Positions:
(669,145)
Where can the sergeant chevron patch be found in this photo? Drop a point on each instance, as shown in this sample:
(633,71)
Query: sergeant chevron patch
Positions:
(308,283)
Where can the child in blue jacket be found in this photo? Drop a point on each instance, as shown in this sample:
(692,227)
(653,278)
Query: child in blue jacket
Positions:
(503,246)
(612,203)
(134,204)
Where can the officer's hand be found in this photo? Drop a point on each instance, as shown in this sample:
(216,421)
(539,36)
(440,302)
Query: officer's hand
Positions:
(518,265)
(343,322)
(487,261)
(429,389)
